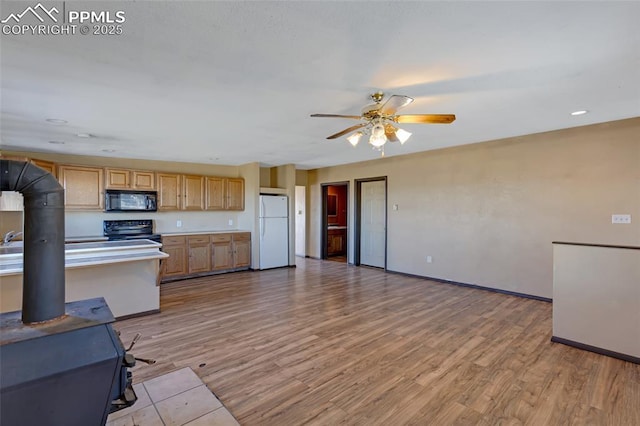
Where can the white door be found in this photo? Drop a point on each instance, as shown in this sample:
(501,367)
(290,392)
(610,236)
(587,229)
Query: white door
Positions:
(372,223)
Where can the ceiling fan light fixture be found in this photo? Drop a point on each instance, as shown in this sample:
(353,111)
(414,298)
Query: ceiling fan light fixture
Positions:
(355,138)
(403,136)
(378,141)
(378,129)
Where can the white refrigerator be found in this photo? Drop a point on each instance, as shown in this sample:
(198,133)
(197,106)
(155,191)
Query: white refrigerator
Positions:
(274,231)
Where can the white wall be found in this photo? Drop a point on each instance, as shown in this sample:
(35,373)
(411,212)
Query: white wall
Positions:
(301,220)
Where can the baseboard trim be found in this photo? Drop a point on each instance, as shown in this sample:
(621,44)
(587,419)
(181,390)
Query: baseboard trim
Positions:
(477,287)
(139,314)
(597,350)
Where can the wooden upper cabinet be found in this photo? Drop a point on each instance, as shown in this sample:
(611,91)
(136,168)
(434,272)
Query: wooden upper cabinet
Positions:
(216,193)
(169,195)
(83,187)
(117,178)
(235,194)
(130,179)
(145,181)
(224,193)
(193,192)
(47,166)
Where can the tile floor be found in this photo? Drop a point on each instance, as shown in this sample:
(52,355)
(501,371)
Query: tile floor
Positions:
(178,398)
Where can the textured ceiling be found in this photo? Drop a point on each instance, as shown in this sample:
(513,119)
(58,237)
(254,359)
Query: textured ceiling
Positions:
(235,82)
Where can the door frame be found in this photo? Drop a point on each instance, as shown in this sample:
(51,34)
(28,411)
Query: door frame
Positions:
(357,222)
(325,224)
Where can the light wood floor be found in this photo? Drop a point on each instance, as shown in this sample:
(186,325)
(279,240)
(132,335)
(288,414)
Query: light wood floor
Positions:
(327,344)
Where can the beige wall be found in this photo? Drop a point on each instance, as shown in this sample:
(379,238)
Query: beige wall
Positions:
(487,213)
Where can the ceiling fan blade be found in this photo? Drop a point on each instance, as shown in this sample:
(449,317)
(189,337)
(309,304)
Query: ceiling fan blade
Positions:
(345,131)
(425,118)
(356,117)
(390,133)
(394,103)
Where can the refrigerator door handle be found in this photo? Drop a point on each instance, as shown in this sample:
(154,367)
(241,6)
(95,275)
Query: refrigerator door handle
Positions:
(261,228)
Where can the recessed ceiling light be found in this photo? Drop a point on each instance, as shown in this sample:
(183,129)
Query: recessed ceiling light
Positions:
(582,111)
(108,150)
(84,135)
(57,142)
(56,121)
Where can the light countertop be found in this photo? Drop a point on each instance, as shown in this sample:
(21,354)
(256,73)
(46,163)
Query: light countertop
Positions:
(88,254)
(226,231)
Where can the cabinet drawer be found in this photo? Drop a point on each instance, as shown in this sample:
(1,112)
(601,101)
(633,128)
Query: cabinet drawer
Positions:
(220,238)
(174,241)
(198,239)
(244,236)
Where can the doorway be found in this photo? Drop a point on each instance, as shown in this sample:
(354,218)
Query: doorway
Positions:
(335,213)
(371,222)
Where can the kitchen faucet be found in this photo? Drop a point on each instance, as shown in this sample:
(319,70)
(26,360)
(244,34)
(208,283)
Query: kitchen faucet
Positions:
(10,236)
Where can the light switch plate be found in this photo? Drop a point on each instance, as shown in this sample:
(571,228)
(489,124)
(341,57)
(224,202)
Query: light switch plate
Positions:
(178,224)
(620,218)
(230,222)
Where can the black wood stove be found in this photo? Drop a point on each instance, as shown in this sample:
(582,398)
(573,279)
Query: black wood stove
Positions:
(60,364)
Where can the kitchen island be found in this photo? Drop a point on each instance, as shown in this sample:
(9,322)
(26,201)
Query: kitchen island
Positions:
(596,298)
(125,273)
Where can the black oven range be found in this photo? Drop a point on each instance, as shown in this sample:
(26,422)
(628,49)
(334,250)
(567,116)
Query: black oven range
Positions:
(130,230)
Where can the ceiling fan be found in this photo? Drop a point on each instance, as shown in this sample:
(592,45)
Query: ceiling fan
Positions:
(379,119)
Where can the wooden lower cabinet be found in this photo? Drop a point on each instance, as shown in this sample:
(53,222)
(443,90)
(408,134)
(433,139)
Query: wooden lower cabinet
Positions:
(336,239)
(176,264)
(241,250)
(222,251)
(199,254)
(205,254)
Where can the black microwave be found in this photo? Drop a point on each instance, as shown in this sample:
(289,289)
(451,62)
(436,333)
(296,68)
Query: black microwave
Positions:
(130,201)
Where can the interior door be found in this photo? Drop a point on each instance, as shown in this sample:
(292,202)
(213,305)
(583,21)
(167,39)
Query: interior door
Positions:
(373,223)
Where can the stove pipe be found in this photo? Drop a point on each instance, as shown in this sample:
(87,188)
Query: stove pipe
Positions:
(43,255)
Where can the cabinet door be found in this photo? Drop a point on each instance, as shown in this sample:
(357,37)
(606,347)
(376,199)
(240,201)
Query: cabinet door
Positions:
(222,256)
(175,264)
(144,181)
(169,192)
(241,254)
(216,193)
(118,178)
(83,187)
(46,166)
(199,254)
(235,194)
(193,191)
(335,242)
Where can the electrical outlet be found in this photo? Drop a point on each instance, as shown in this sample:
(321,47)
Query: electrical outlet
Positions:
(395,207)
(429,259)
(230,222)
(620,218)
(178,224)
